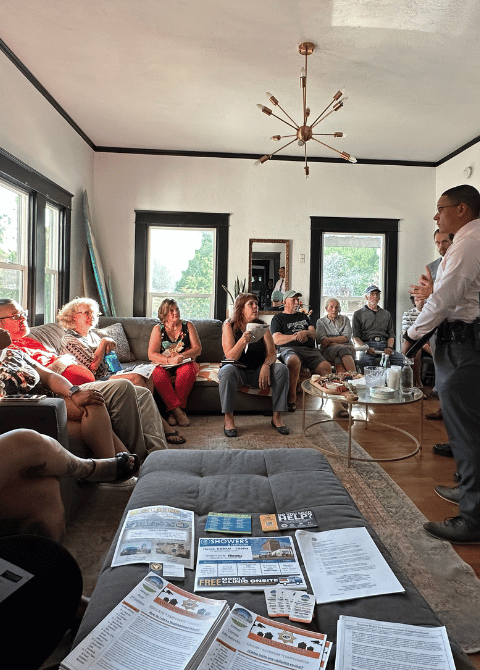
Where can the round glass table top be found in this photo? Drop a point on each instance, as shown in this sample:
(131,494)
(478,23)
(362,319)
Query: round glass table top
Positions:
(364,397)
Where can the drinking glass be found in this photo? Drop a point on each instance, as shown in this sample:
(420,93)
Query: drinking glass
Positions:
(374,376)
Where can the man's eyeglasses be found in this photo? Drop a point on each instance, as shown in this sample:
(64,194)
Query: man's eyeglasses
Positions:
(439,209)
(16,317)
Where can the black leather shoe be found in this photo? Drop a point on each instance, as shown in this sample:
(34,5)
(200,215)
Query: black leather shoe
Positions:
(283,430)
(456,477)
(443,449)
(230,432)
(450,493)
(454,530)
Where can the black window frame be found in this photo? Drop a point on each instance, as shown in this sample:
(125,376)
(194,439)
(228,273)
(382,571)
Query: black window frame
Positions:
(41,191)
(386,227)
(146,218)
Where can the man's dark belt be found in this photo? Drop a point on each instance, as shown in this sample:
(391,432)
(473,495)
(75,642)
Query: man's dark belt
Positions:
(455,331)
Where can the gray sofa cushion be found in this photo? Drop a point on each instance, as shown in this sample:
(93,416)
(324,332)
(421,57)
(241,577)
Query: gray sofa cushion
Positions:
(255,482)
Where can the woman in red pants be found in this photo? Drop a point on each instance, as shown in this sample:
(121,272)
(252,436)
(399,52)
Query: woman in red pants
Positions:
(171,343)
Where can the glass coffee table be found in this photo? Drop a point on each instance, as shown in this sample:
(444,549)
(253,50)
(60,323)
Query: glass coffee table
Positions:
(364,400)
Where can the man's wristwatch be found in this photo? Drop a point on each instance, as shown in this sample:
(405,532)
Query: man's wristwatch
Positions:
(72,390)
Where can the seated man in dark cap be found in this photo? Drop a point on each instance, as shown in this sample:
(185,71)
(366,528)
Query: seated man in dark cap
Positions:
(373,326)
(294,336)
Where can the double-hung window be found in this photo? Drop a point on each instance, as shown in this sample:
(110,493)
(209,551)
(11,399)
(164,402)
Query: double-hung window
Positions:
(34,240)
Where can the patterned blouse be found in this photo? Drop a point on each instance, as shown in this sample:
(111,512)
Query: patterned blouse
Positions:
(183,337)
(18,372)
(82,348)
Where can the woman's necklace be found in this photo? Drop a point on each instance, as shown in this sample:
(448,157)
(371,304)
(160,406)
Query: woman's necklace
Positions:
(173,331)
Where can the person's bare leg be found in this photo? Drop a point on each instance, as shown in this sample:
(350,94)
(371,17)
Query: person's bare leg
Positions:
(170,433)
(293,365)
(323,368)
(349,363)
(417,370)
(97,432)
(32,465)
(229,421)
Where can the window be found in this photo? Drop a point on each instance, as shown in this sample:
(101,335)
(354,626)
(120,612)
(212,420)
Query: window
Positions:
(181,255)
(34,239)
(370,246)
(187,275)
(52,227)
(14,243)
(351,262)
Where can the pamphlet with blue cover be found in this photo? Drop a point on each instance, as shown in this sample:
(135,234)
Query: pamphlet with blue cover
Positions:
(229,523)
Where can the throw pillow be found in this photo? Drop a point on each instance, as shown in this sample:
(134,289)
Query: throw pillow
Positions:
(116,332)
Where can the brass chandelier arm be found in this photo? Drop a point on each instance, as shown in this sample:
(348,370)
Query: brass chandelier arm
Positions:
(295,127)
(342,153)
(294,122)
(322,118)
(285,145)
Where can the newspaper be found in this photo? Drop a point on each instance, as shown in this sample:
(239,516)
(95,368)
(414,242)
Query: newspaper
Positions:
(363,643)
(157,626)
(248,641)
(345,564)
(156,534)
(247,563)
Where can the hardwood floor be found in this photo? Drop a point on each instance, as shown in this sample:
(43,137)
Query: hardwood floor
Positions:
(417,476)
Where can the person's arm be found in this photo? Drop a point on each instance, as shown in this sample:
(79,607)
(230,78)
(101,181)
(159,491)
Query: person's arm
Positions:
(61,386)
(270,358)
(321,334)
(154,348)
(357,333)
(232,349)
(80,351)
(195,344)
(105,346)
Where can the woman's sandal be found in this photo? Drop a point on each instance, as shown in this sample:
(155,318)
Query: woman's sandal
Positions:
(179,440)
(182,419)
(124,469)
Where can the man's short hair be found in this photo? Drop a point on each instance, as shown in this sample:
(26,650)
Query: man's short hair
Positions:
(466,194)
(450,235)
(329,300)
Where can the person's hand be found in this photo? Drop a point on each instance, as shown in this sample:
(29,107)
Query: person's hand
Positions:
(247,337)
(264,377)
(108,344)
(87,397)
(326,342)
(175,359)
(426,347)
(371,351)
(5,339)
(388,350)
(301,336)
(424,288)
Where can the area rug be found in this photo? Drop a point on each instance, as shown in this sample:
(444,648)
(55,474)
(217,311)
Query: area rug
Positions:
(448,584)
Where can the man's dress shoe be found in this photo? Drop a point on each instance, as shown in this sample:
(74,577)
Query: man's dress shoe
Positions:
(443,449)
(454,530)
(450,493)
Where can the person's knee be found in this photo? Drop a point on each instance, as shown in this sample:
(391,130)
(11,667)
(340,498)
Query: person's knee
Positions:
(227,373)
(294,363)
(24,441)
(323,368)
(280,372)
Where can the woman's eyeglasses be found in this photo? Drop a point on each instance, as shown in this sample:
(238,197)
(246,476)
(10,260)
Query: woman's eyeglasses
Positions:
(16,317)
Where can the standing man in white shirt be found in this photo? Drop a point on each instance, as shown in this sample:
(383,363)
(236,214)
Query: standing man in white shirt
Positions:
(454,307)
(280,285)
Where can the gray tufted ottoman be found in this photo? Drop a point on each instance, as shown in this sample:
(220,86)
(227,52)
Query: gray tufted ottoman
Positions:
(256,482)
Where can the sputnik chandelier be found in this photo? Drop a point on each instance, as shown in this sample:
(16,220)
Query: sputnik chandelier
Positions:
(304,133)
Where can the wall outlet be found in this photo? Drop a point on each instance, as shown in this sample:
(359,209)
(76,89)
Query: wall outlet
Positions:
(301,258)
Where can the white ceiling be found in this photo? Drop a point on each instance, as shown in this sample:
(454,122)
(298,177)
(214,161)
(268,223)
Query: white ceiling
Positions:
(186,75)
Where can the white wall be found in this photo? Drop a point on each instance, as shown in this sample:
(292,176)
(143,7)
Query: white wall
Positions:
(273,200)
(451,173)
(34,132)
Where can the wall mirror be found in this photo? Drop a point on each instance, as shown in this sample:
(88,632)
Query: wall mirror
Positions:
(265,258)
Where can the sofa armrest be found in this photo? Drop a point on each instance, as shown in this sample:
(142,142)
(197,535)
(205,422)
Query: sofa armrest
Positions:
(47,416)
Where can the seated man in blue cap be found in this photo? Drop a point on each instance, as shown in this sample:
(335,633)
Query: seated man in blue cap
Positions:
(373,326)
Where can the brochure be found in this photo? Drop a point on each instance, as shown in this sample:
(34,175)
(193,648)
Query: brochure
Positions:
(157,625)
(159,534)
(11,578)
(247,563)
(248,641)
(229,523)
(364,643)
(345,564)
(288,520)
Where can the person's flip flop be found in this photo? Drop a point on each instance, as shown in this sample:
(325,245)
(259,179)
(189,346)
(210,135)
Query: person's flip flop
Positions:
(180,440)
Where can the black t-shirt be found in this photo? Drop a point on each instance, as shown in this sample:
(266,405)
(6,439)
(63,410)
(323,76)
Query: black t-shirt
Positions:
(256,352)
(289,324)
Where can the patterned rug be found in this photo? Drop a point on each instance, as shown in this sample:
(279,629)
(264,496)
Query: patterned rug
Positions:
(448,584)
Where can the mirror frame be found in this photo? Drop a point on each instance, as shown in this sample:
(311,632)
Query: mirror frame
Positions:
(251,241)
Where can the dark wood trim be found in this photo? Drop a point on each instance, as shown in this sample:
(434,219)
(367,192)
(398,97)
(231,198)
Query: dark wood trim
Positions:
(43,91)
(446,158)
(387,227)
(14,170)
(64,256)
(38,283)
(146,218)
